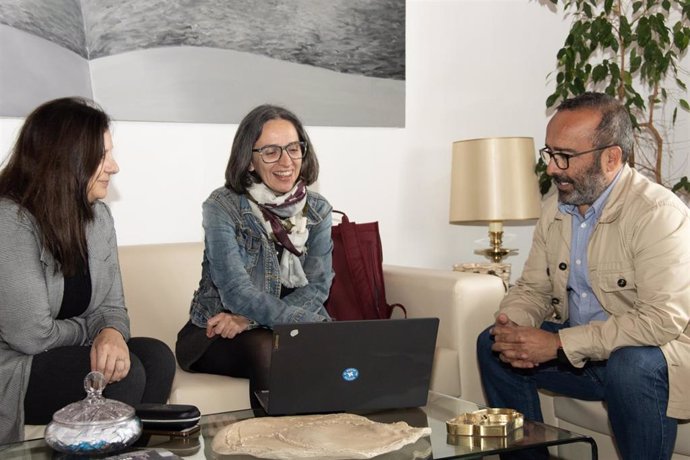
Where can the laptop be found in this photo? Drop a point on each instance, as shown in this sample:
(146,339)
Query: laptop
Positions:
(353,366)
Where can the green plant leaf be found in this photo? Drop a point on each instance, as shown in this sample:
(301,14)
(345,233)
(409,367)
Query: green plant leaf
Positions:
(638,102)
(635,63)
(607,6)
(684,104)
(599,72)
(544,179)
(551,100)
(683,184)
(681,84)
(569,39)
(643,31)
(659,23)
(587,9)
(681,39)
(596,31)
(625,30)
(636,6)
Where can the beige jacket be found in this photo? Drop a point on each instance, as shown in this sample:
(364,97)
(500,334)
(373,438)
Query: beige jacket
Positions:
(639,268)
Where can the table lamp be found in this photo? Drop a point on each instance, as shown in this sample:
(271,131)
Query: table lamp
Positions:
(493,180)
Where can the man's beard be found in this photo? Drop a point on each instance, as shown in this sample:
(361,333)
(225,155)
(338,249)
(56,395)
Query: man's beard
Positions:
(586,187)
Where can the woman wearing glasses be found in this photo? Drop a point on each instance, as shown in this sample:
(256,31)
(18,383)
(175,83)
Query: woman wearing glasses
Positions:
(267,255)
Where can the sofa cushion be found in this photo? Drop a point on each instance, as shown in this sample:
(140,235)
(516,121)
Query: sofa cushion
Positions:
(683,438)
(444,374)
(210,393)
(159,281)
(592,415)
(465,304)
(33,431)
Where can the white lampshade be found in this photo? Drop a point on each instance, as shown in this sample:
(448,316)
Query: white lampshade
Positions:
(493,180)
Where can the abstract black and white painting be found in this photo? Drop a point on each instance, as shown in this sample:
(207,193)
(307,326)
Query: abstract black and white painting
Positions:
(333,62)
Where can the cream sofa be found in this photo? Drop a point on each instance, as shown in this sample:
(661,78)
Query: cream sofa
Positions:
(159,281)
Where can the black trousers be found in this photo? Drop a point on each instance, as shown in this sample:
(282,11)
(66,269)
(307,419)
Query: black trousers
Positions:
(57,378)
(247,355)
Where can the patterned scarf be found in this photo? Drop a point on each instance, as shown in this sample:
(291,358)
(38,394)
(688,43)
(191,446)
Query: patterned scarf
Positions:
(284,220)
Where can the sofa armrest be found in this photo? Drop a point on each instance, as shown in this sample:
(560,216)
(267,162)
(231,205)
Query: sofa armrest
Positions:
(465,303)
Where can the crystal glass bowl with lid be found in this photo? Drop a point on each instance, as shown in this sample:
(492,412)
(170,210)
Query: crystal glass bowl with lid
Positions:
(95,425)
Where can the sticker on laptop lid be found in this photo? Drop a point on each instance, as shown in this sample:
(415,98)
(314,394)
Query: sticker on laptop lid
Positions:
(350,374)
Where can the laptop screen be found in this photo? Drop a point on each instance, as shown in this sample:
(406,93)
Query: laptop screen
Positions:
(351,365)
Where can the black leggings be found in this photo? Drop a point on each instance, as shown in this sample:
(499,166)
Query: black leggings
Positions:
(57,378)
(247,355)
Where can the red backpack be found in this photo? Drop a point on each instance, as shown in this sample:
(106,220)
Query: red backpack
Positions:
(358,291)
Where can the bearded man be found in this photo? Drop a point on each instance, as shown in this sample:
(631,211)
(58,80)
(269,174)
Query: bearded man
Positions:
(601,310)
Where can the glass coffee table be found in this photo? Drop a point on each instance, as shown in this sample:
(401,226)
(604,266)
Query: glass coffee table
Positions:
(439,445)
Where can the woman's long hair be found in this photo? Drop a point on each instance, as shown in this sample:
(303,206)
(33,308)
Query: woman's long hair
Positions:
(59,148)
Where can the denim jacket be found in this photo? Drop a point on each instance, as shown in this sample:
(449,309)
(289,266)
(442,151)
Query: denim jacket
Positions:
(241,271)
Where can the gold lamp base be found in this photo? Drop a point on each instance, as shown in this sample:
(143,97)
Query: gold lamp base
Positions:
(496,253)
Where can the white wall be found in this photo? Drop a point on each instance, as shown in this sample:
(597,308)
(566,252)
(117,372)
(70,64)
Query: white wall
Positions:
(474,69)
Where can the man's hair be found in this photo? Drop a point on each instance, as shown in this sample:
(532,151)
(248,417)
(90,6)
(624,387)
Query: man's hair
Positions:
(237,174)
(59,149)
(615,126)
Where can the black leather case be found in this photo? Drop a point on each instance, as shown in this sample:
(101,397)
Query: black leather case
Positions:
(167,417)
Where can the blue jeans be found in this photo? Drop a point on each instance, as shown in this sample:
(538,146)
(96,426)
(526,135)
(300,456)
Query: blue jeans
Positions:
(633,382)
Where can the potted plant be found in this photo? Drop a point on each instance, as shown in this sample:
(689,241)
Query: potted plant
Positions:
(629,49)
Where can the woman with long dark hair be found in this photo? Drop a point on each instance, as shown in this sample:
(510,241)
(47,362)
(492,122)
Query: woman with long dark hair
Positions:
(62,311)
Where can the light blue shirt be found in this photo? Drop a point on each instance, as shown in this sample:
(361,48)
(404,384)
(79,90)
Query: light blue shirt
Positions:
(583,305)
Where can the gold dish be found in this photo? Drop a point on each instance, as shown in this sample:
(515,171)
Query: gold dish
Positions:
(482,443)
(485,422)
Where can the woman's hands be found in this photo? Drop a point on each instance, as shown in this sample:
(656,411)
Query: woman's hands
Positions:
(226,325)
(110,355)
